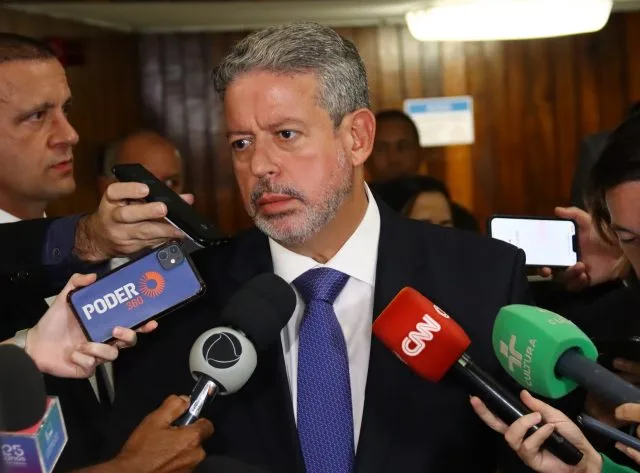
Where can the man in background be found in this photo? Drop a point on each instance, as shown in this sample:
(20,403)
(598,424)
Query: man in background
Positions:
(155,152)
(395,157)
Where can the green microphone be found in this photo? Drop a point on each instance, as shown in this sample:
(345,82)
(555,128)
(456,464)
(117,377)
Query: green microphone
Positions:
(550,356)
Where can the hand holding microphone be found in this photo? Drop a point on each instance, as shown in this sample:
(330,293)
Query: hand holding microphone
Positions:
(424,337)
(530,449)
(223,359)
(155,446)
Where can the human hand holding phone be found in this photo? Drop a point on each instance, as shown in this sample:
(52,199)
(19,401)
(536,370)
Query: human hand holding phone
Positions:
(124,224)
(599,261)
(58,344)
(136,293)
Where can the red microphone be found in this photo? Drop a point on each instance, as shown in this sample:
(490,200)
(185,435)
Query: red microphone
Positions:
(424,337)
(421,334)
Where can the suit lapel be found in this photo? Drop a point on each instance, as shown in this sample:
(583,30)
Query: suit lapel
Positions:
(270,402)
(397,267)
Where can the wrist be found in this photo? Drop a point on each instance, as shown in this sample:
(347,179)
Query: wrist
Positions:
(87,241)
(31,347)
(593,461)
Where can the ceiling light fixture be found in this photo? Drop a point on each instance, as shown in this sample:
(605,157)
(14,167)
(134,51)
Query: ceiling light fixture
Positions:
(484,20)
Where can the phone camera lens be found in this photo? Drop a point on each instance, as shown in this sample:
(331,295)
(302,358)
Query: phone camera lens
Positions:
(163,255)
(173,249)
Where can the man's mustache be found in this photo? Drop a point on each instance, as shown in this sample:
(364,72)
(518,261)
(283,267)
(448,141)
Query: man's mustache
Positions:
(268,187)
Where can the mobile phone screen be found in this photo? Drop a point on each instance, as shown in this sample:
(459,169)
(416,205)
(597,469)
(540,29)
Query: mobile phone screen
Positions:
(136,292)
(546,242)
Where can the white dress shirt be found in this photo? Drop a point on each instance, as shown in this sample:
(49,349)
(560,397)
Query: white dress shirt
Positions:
(353,306)
(6,217)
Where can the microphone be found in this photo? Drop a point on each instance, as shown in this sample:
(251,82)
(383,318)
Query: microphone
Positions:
(425,338)
(551,356)
(32,430)
(223,359)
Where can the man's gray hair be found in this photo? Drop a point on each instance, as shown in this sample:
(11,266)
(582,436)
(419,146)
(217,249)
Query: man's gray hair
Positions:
(302,47)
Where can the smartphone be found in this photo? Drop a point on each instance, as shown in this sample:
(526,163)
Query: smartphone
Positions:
(139,291)
(551,242)
(179,213)
(608,431)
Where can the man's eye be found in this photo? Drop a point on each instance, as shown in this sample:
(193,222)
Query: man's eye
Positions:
(288,134)
(239,145)
(36,116)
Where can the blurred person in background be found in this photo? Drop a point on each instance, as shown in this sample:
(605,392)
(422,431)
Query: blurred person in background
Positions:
(155,152)
(396,156)
(591,148)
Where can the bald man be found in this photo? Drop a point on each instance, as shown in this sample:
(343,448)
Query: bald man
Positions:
(153,151)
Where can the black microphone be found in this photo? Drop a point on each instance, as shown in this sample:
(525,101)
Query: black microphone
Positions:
(32,431)
(23,398)
(223,359)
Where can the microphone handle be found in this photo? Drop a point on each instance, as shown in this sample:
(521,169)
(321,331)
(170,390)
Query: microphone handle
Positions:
(203,392)
(509,408)
(596,378)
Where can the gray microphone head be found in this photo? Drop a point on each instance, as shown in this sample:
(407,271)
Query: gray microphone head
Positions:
(224,355)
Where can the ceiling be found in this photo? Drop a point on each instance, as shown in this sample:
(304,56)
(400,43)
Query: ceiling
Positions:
(184,16)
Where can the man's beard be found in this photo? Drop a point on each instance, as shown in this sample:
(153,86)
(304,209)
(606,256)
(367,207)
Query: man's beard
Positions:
(315,215)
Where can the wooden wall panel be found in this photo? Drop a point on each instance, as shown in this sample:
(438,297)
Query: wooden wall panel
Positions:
(534,101)
(106,94)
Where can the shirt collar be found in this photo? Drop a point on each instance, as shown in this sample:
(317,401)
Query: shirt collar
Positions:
(6,217)
(357,257)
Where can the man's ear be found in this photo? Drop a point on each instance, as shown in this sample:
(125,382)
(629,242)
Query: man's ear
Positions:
(361,130)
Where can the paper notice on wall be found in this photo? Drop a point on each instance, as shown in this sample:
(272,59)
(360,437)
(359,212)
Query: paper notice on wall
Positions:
(442,121)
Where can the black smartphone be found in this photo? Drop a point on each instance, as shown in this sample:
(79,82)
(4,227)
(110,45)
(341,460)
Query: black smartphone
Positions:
(551,242)
(139,291)
(179,213)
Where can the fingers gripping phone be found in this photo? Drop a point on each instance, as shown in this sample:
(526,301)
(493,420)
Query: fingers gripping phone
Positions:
(551,242)
(137,292)
(179,213)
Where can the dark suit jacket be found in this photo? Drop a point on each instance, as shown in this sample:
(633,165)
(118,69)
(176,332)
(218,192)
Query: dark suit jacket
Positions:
(24,283)
(409,424)
(591,148)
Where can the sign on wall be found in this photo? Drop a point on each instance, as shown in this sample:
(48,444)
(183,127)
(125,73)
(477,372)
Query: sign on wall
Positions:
(442,121)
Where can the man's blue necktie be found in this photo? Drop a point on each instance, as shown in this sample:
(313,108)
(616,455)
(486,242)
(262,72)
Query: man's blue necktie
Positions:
(325,418)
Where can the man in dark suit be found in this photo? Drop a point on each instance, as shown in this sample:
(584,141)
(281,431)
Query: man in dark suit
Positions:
(36,152)
(300,129)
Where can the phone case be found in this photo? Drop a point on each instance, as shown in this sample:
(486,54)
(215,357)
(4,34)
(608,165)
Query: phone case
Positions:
(139,291)
(576,246)
(180,214)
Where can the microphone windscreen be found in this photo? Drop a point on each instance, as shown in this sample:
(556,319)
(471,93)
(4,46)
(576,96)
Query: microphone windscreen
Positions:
(421,334)
(216,464)
(260,309)
(23,398)
(529,341)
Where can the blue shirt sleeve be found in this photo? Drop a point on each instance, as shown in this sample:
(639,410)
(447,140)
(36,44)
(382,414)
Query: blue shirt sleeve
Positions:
(57,252)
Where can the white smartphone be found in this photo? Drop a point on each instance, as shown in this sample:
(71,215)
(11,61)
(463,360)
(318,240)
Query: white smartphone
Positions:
(551,242)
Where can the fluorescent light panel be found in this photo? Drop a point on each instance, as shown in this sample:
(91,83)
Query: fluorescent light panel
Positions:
(482,20)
